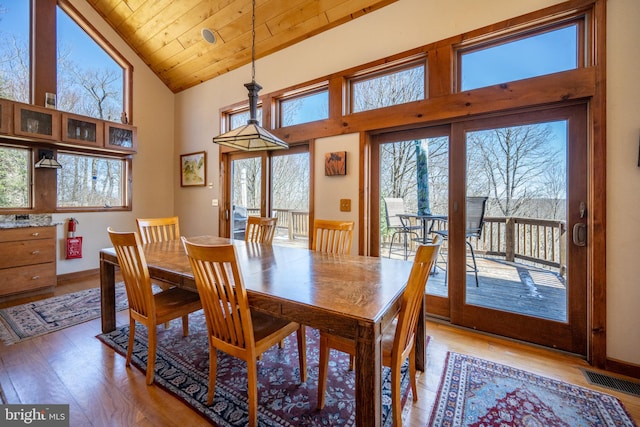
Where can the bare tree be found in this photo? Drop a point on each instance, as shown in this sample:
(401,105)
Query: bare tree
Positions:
(503,163)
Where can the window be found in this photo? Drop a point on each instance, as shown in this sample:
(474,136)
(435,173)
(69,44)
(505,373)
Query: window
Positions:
(14,50)
(304,108)
(90,82)
(391,88)
(535,55)
(91,181)
(14,177)
(240,118)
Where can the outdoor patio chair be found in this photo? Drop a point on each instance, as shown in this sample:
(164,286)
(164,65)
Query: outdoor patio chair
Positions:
(476,207)
(394,207)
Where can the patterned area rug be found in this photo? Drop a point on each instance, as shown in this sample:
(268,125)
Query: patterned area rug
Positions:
(33,319)
(182,368)
(477,392)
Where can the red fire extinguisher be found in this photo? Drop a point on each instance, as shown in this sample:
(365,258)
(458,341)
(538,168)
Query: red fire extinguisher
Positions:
(74,244)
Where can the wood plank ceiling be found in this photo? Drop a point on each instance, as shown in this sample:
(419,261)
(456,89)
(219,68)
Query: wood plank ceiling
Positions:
(166,34)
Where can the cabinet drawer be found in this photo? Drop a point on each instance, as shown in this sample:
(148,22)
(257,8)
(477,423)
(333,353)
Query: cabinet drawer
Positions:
(28,252)
(27,233)
(28,278)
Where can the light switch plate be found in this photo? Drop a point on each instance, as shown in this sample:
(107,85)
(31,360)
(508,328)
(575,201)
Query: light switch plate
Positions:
(345,205)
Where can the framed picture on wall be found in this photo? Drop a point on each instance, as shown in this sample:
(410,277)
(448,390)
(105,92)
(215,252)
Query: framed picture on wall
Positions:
(335,163)
(193,169)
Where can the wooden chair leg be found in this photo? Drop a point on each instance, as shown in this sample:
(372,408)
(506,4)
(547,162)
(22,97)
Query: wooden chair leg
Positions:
(322,372)
(396,400)
(151,354)
(132,333)
(213,372)
(412,373)
(252,378)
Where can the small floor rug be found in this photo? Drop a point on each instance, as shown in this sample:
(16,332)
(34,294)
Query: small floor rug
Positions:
(182,368)
(22,322)
(477,392)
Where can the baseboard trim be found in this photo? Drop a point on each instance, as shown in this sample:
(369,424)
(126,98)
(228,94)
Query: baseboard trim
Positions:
(623,368)
(61,278)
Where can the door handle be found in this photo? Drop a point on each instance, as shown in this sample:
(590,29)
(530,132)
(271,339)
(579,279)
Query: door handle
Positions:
(580,234)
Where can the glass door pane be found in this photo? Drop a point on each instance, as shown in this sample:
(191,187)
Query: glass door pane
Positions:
(516,249)
(246,193)
(290,195)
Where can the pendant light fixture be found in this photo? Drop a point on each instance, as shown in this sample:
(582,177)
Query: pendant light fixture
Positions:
(251,137)
(47,161)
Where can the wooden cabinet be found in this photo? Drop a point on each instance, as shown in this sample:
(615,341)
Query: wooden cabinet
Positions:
(39,124)
(81,130)
(27,259)
(120,137)
(6,108)
(36,122)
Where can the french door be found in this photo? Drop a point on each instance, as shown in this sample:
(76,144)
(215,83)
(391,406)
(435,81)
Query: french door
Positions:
(524,275)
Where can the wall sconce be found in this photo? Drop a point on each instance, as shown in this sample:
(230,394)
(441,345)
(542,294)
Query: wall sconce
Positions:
(47,160)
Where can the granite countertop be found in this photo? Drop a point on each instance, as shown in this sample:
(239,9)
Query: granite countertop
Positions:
(10,221)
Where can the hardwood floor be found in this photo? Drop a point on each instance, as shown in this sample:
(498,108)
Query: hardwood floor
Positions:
(72,366)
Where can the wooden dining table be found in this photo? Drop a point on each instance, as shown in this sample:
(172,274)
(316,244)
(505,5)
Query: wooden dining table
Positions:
(350,296)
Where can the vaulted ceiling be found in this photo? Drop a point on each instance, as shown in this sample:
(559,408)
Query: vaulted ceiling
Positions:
(167,34)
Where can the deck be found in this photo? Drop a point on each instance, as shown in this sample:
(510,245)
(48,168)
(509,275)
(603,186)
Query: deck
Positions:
(518,287)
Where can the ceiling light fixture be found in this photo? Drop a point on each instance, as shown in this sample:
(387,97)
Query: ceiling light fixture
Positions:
(251,137)
(208,35)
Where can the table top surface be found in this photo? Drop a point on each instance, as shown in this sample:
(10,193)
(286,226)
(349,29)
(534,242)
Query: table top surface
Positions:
(355,286)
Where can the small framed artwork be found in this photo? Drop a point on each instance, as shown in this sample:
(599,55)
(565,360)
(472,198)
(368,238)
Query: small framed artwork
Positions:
(50,100)
(335,163)
(193,169)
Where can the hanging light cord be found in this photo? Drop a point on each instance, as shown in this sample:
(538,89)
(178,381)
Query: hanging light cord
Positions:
(253,40)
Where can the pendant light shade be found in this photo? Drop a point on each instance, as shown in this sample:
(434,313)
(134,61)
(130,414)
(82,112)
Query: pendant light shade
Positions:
(47,161)
(251,137)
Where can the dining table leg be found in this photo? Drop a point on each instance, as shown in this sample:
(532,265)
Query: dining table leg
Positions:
(107,295)
(368,367)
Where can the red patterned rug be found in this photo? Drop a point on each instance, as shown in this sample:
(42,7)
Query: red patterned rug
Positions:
(182,368)
(480,393)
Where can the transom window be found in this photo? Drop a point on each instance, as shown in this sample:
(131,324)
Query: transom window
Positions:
(304,108)
(531,56)
(240,118)
(391,87)
(14,50)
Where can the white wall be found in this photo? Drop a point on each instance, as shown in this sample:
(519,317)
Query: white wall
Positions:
(623,181)
(328,190)
(398,27)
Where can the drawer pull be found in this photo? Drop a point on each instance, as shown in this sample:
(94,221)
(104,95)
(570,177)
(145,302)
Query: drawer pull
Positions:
(36,234)
(35,252)
(35,277)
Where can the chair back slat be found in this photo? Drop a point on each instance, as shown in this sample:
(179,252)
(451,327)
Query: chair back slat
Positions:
(413,295)
(135,272)
(332,237)
(260,229)
(223,295)
(158,229)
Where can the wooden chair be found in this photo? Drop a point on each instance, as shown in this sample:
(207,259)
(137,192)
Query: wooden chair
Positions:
(332,237)
(398,338)
(260,229)
(158,229)
(144,306)
(233,327)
